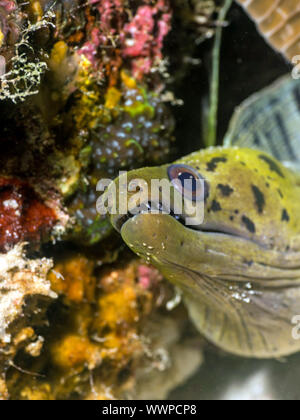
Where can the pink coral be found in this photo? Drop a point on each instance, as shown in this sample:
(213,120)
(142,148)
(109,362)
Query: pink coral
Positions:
(7,7)
(135,36)
(111,15)
(10,24)
(148,276)
(142,39)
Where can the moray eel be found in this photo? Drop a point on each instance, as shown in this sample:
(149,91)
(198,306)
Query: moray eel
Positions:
(239,270)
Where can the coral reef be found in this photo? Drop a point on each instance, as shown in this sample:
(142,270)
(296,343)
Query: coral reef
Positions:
(143,37)
(83,95)
(132,127)
(23,215)
(109,335)
(130,31)
(25,295)
(143,122)
(89,88)
(91,79)
(10,26)
(22,66)
(118,116)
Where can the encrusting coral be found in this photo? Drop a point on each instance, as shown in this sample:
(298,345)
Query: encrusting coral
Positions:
(128,30)
(23,214)
(108,337)
(25,294)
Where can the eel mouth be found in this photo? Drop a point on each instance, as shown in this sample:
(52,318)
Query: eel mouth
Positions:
(146,208)
(202,229)
(159,208)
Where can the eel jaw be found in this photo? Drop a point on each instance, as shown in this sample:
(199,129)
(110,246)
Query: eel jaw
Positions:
(118,221)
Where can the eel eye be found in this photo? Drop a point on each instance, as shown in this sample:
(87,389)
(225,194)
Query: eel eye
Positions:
(187,181)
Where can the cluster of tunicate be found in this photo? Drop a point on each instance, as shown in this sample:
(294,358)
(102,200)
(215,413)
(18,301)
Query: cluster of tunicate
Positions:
(124,128)
(141,133)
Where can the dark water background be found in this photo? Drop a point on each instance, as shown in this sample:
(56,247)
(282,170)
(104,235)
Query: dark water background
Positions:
(224,377)
(248,64)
